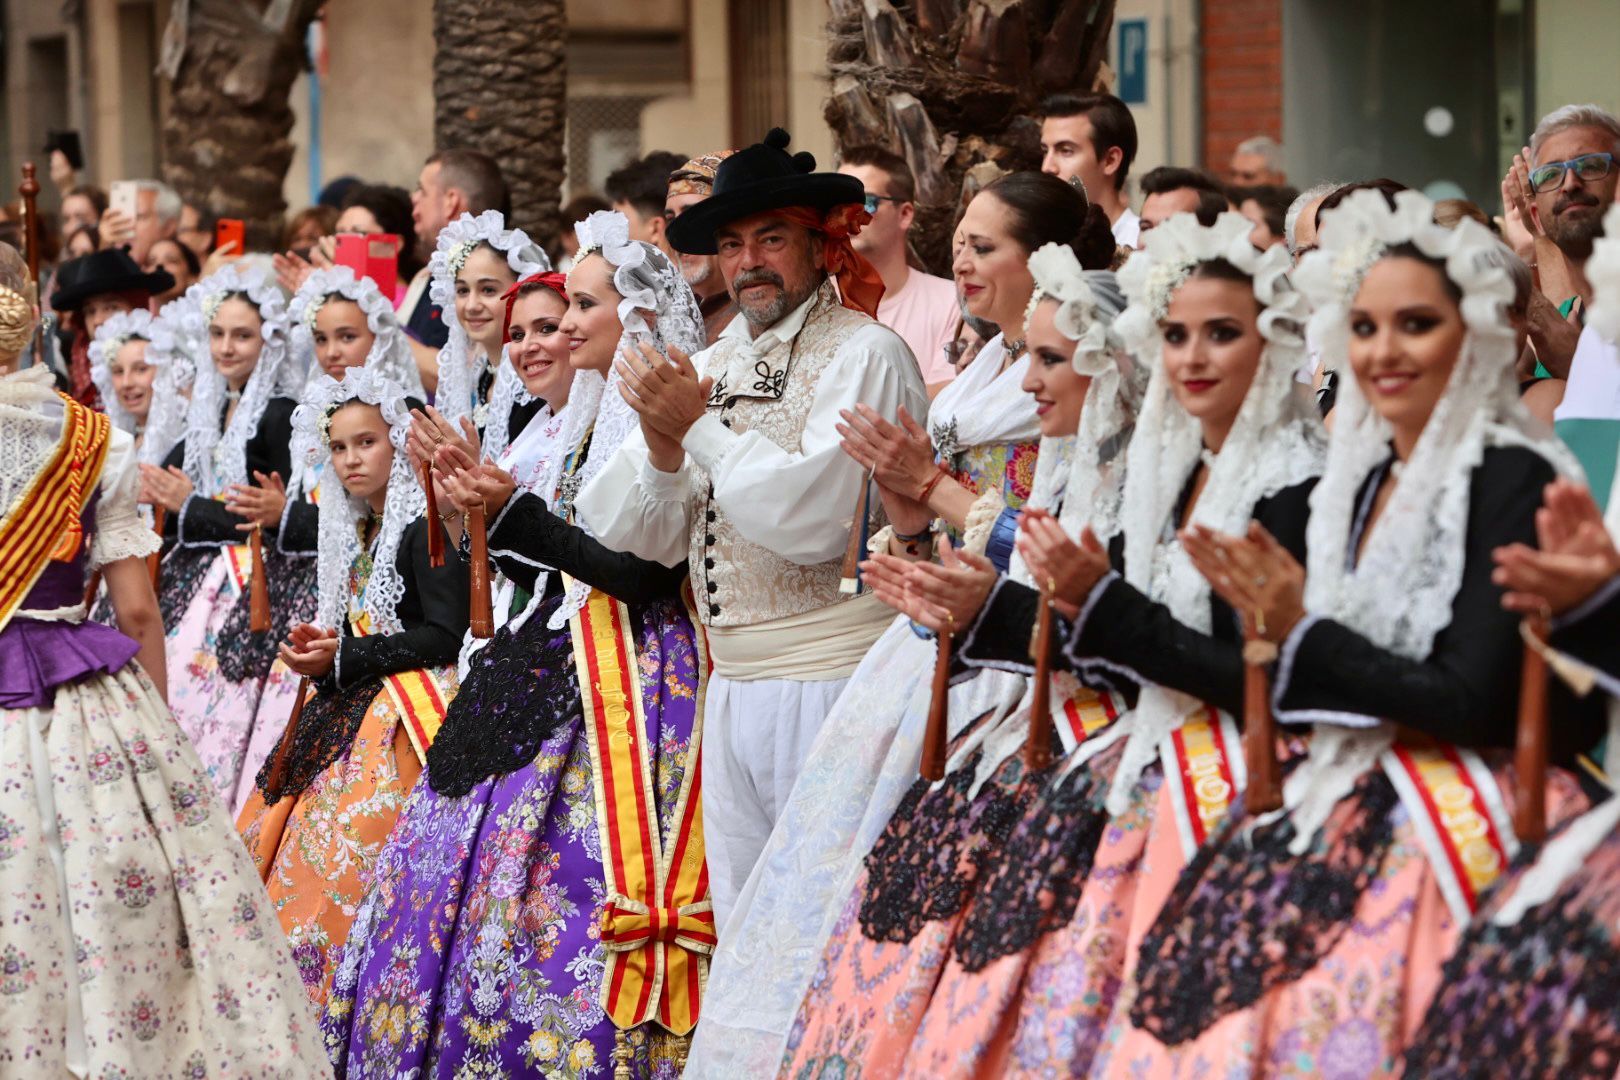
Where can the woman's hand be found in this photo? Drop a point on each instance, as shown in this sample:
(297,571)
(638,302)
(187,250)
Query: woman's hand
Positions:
(431,430)
(292,270)
(470,483)
(1254,574)
(309,650)
(168,488)
(943,596)
(899,456)
(1069,571)
(262,505)
(1576,558)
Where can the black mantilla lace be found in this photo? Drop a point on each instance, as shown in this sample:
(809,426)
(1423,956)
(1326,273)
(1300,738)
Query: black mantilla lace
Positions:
(181,576)
(1247,915)
(923,867)
(1538,998)
(325,732)
(245,655)
(519,691)
(1032,883)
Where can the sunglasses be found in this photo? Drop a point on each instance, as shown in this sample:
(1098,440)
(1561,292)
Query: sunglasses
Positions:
(873,200)
(1587,167)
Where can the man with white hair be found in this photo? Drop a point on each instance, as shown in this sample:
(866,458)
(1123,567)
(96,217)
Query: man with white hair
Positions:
(157,217)
(1257,161)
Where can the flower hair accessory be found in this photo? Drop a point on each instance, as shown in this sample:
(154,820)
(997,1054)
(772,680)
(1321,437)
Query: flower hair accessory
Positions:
(1088,302)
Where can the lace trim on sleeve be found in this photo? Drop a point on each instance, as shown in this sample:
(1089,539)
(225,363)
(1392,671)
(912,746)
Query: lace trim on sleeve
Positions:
(981,520)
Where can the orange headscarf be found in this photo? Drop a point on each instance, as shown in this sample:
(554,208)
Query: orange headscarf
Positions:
(859,284)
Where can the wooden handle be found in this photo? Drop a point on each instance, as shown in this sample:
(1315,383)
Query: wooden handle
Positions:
(939,707)
(435,526)
(1530,756)
(1264,792)
(29,190)
(258,586)
(480,614)
(1038,747)
(278,766)
(849,574)
(154,561)
(92,589)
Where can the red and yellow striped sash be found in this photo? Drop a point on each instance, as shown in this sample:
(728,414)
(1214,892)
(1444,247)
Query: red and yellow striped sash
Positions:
(657,924)
(1204,768)
(44,523)
(1082,714)
(239,566)
(417,694)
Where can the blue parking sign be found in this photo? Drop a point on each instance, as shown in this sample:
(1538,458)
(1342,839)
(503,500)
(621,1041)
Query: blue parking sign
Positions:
(1133,61)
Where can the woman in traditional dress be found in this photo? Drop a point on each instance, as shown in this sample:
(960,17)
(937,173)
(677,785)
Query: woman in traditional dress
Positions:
(976,879)
(507,930)
(139,943)
(381,664)
(974,473)
(1531,988)
(238,428)
(1310,941)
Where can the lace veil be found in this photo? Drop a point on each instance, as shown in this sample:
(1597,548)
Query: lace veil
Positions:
(173,349)
(390,354)
(459,366)
(215,460)
(341,515)
(1276,441)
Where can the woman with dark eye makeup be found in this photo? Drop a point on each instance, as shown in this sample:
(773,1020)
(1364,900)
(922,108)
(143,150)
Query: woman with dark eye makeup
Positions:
(1318,932)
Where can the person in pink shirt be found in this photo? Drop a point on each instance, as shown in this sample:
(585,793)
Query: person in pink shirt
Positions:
(920,307)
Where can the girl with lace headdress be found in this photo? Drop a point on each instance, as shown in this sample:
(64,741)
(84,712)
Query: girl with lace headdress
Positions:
(238,430)
(541,907)
(1015,851)
(380,658)
(866,754)
(134,936)
(1316,934)
(1530,988)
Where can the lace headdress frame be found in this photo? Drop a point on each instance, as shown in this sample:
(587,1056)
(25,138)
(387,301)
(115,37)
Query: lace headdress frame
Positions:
(341,515)
(111,336)
(459,368)
(173,348)
(215,460)
(1276,441)
(390,353)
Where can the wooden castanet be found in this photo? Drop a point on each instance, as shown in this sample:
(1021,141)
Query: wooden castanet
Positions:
(435,527)
(1264,792)
(1038,747)
(278,765)
(939,707)
(154,561)
(1530,755)
(480,613)
(259,586)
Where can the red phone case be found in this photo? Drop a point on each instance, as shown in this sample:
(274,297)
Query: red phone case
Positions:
(228,230)
(372,255)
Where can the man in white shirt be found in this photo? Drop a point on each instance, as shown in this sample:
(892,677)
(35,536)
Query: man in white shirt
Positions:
(920,307)
(738,470)
(1091,138)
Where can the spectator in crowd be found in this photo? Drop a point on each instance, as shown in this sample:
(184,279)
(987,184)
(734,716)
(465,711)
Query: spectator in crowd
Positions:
(574,211)
(1450,212)
(197,229)
(336,192)
(689,185)
(1091,138)
(157,215)
(1257,161)
(920,307)
(82,206)
(1299,226)
(1170,190)
(1267,206)
(383,208)
(965,343)
(305,229)
(81,241)
(179,262)
(452,182)
(638,190)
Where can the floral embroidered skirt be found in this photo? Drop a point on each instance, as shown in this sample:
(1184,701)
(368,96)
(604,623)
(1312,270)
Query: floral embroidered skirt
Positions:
(316,849)
(477,951)
(1264,963)
(137,940)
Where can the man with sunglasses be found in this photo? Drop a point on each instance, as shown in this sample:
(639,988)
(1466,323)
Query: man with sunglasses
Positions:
(920,307)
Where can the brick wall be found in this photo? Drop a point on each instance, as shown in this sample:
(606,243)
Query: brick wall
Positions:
(1242,74)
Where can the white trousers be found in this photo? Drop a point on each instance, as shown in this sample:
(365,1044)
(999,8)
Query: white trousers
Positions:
(756,736)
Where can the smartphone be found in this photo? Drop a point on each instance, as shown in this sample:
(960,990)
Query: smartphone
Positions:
(371,255)
(230,231)
(124,197)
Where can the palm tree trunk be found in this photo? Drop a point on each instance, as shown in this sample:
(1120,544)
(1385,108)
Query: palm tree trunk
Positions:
(953,86)
(231,65)
(500,84)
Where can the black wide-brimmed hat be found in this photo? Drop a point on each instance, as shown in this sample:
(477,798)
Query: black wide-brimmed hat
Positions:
(763,177)
(109,270)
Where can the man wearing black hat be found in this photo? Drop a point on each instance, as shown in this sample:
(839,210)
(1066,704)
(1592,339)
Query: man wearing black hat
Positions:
(738,470)
(92,289)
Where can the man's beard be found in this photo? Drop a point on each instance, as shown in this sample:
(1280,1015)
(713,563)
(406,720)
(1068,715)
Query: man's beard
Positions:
(1574,236)
(697,269)
(766,316)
